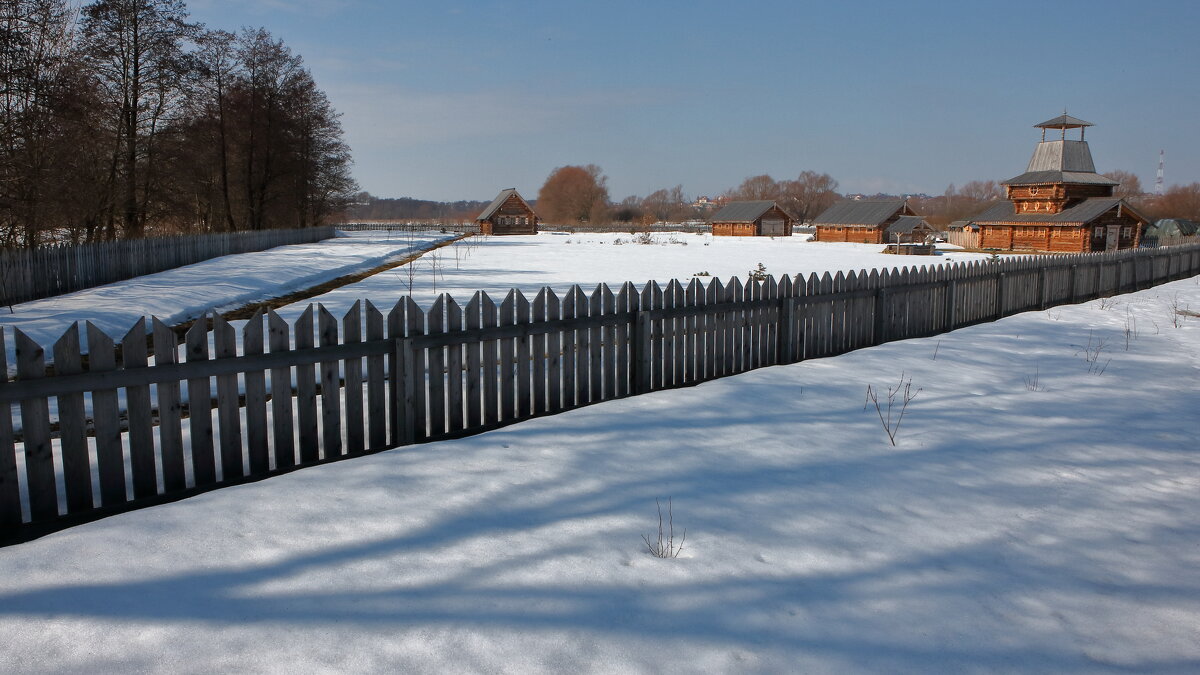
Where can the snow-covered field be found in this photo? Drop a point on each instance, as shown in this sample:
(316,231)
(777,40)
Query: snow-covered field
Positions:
(222,283)
(1038,514)
(558,260)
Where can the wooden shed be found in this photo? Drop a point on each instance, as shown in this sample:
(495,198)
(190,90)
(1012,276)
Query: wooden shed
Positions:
(862,221)
(508,214)
(910,235)
(1060,204)
(752,219)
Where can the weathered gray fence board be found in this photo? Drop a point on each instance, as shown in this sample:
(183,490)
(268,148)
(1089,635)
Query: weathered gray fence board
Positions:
(258,448)
(352,369)
(72,421)
(306,392)
(454,368)
(538,354)
(110,456)
(170,411)
(141,424)
(35,423)
(10,490)
(523,363)
(281,395)
(228,412)
(377,412)
(473,389)
(331,405)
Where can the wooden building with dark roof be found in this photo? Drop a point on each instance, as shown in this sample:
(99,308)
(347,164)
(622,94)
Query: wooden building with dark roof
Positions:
(862,221)
(508,214)
(752,219)
(1060,204)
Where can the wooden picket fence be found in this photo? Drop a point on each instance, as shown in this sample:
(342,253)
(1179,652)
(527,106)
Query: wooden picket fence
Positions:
(323,389)
(31,274)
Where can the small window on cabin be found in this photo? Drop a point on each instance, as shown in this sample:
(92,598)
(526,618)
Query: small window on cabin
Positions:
(1125,231)
(1098,233)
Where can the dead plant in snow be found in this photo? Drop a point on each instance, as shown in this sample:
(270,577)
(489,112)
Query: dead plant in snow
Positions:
(664,546)
(894,415)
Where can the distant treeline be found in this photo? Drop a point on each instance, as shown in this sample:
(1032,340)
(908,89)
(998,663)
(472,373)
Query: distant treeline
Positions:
(123,119)
(367,207)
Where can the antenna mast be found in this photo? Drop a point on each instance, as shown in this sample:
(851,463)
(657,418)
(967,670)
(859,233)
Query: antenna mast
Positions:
(1158,180)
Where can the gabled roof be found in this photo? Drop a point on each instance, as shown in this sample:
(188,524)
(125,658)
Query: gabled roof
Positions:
(498,202)
(906,225)
(1082,213)
(860,212)
(744,212)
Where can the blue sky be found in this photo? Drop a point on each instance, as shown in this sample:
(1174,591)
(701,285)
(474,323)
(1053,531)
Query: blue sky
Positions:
(457,100)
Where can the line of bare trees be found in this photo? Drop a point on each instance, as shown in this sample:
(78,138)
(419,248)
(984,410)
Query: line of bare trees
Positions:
(123,118)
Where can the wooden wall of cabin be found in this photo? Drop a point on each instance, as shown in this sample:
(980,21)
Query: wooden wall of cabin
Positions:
(1130,238)
(845,233)
(734,229)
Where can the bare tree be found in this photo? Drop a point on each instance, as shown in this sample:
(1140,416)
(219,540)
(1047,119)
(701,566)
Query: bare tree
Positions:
(135,49)
(1130,185)
(574,194)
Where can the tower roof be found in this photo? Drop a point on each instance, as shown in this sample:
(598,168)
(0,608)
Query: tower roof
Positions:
(1064,121)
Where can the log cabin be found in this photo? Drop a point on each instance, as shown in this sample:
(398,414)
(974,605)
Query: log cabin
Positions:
(508,214)
(752,219)
(1060,204)
(862,221)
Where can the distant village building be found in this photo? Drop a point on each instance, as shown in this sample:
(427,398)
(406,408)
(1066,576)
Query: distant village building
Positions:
(508,214)
(1060,203)
(862,221)
(706,204)
(752,219)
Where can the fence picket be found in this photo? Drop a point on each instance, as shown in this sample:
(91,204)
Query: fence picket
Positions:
(228,414)
(595,348)
(507,347)
(538,349)
(278,335)
(141,425)
(110,456)
(523,360)
(306,392)
(352,373)
(10,491)
(35,425)
(473,389)
(258,448)
(170,411)
(331,404)
(72,424)
(454,368)
(491,369)
(377,414)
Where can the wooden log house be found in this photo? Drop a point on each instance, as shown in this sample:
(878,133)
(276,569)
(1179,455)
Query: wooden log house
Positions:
(508,214)
(752,219)
(1060,204)
(862,221)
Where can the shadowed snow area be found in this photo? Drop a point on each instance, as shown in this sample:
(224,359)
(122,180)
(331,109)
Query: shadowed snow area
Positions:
(1017,526)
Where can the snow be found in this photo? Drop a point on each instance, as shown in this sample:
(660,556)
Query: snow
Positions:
(1016,526)
(224,283)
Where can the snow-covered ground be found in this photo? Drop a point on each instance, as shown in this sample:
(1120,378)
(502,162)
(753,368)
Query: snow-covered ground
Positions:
(558,260)
(222,283)
(1038,514)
